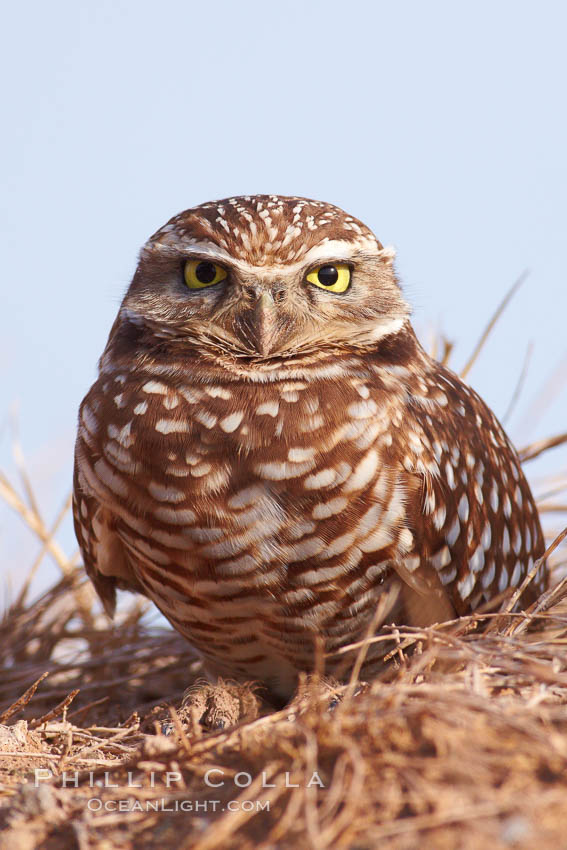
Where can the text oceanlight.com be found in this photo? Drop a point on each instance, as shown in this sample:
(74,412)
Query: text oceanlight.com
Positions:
(95,804)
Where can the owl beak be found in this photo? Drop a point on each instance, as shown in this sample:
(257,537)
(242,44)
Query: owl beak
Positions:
(265,324)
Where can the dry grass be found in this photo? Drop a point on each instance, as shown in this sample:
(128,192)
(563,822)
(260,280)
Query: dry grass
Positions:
(464,745)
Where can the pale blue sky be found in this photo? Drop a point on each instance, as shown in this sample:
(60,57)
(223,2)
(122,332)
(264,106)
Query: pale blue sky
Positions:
(442,125)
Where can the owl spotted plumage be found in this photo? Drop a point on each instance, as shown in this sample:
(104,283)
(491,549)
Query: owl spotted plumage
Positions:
(267,448)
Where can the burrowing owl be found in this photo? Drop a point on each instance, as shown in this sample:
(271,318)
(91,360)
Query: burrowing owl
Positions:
(268,447)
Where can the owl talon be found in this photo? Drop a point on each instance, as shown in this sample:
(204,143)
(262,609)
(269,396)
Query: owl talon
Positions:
(337,698)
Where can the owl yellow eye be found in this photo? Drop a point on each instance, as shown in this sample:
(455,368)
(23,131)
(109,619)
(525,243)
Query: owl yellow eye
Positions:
(201,273)
(333,277)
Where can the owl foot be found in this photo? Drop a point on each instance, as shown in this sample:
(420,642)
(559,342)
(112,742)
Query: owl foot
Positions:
(220,706)
(315,690)
(324,692)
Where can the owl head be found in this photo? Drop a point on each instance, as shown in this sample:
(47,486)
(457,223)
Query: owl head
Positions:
(264,279)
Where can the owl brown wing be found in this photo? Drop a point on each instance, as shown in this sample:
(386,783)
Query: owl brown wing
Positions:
(104,554)
(469,508)
(423,598)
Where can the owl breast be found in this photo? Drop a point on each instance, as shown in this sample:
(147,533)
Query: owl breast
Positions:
(260,515)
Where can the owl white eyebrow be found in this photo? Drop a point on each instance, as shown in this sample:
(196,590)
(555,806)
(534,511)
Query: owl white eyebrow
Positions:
(339,249)
(199,249)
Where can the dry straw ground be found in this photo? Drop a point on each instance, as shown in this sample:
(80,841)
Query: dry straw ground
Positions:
(462,744)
